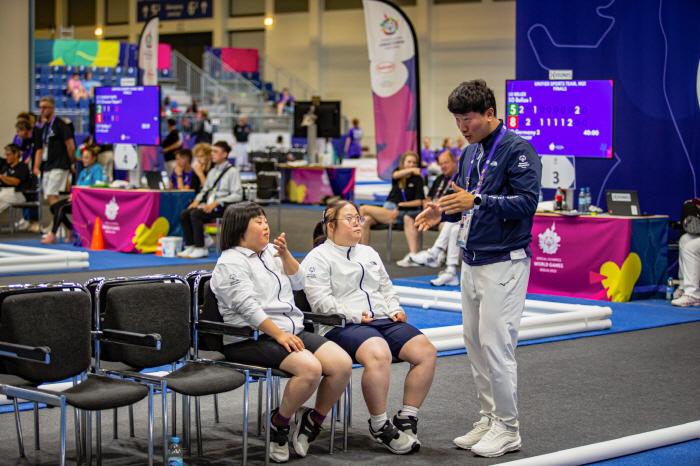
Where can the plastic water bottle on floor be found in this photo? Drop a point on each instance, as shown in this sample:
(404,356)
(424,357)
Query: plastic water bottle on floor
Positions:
(175,453)
(669,289)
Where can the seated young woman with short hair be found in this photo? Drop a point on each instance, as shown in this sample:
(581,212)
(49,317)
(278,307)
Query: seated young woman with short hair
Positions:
(345,277)
(253,282)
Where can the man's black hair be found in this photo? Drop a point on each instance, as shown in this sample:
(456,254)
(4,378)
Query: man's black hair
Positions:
(471,96)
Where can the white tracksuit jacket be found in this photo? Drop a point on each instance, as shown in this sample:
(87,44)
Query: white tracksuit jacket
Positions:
(251,288)
(349,281)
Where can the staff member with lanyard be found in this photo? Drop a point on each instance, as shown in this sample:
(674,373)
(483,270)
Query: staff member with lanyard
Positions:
(57,151)
(223,186)
(495,200)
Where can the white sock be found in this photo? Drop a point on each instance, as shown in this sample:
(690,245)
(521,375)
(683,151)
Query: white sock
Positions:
(434,252)
(408,411)
(452,269)
(376,422)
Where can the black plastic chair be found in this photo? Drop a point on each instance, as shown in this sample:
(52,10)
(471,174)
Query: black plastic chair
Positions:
(46,335)
(32,201)
(160,303)
(208,330)
(269,191)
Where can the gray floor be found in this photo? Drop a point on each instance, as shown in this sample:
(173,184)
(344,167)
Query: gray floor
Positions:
(571,393)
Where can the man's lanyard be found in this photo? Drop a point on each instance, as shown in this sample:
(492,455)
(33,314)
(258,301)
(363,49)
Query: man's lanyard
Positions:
(482,175)
(219,169)
(47,130)
(444,187)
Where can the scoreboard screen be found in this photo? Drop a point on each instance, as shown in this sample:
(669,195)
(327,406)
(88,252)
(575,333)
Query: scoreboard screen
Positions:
(128,115)
(569,118)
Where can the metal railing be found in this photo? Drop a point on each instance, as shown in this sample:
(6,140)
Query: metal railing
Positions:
(224,122)
(233,80)
(280,77)
(200,86)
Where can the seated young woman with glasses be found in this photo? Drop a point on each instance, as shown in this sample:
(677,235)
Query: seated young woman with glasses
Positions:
(345,277)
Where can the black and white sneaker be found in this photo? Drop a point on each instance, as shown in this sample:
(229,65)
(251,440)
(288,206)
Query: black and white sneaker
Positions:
(408,425)
(279,440)
(305,432)
(392,438)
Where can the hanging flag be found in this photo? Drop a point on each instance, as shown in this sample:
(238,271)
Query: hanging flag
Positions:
(394,75)
(148,53)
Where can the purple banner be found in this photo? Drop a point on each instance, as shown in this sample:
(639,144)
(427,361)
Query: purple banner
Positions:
(120,213)
(394,77)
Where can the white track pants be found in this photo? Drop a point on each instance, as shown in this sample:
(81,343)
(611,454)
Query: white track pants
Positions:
(689,264)
(447,241)
(493,299)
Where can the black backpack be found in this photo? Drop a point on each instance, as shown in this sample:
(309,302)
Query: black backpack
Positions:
(690,216)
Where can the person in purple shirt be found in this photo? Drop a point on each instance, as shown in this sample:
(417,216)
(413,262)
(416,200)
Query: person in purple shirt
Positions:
(183,176)
(286,103)
(353,149)
(459,148)
(427,156)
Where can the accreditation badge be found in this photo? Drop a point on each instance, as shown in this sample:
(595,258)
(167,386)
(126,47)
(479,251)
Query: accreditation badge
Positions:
(464,226)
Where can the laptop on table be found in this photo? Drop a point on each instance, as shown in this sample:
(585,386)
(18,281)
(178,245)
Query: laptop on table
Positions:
(623,203)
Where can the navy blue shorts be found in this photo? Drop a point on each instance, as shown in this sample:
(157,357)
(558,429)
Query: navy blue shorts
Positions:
(352,336)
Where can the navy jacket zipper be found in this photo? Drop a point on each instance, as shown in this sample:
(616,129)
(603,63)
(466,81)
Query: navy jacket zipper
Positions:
(369,303)
(279,297)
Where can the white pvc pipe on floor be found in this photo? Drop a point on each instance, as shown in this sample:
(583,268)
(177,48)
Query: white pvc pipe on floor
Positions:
(73,257)
(615,448)
(31,251)
(45,267)
(19,259)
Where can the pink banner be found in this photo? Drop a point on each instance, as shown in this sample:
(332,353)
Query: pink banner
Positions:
(164,56)
(241,60)
(585,257)
(120,213)
(308,186)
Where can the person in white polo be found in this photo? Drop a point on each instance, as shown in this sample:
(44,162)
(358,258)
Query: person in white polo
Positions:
(57,151)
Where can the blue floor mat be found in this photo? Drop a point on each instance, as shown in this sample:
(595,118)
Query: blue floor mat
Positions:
(107,260)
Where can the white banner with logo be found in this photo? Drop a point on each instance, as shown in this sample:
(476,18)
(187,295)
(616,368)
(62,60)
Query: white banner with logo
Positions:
(148,53)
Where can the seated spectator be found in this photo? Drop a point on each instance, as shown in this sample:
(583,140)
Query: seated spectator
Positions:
(89,85)
(203,131)
(446,242)
(14,178)
(222,187)
(286,103)
(406,195)
(459,148)
(183,176)
(76,89)
(202,164)
(427,157)
(446,146)
(688,292)
(89,175)
(253,282)
(348,278)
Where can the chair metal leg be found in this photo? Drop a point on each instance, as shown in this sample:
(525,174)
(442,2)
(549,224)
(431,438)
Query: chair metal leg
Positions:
(88,438)
(198,420)
(131,421)
(62,461)
(78,444)
(246,392)
(164,392)
(346,421)
(150,425)
(216,408)
(268,406)
(348,403)
(18,425)
(186,423)
(174,402)
(36,426)
(334,414)
(115,424)
(98,437)
(260,406)
(83,436)
(276,401)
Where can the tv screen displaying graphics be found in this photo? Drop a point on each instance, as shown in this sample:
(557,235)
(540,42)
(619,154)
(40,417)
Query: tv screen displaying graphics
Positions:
(128,115)
(327,121)
(570,118)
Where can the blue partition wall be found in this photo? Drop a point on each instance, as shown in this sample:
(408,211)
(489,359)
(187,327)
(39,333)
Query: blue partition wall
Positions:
(652,50)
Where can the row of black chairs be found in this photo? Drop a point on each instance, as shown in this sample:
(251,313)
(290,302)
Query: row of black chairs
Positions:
(103,335)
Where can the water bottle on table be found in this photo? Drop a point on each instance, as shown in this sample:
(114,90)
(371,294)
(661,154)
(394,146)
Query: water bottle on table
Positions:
(175,453)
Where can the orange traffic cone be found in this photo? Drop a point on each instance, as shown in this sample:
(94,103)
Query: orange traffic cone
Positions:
(98,240)
(159,248)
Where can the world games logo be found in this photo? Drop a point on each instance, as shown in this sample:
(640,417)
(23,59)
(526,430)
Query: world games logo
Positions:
(389,25)
(149,40)
(549,241)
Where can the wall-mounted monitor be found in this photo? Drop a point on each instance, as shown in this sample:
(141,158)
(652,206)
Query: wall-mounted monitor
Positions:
(127,115)
(571,118)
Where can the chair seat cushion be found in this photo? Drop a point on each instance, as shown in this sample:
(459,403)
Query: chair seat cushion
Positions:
(219,357)
(196,379)
(102,392)
(14,381)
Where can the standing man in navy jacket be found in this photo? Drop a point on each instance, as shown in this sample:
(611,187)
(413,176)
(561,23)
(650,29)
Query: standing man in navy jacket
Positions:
(495,200)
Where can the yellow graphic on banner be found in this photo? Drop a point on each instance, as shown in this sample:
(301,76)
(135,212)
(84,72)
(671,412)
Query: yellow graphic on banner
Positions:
(297,193)
(146,239)
(85,53)
(620,281)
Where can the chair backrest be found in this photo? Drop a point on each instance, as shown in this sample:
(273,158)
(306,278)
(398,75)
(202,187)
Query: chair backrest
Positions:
(145,305)
(57,316)
(268,185)
(265,165)
(209,310)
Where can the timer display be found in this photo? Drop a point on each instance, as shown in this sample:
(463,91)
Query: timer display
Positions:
(570,118)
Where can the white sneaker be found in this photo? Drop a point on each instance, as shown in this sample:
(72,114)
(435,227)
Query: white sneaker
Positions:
(445,278)
(199,253)
(466,442)
(279,440)
(686,301)
(407,262)
(497,441)
(677,293)
(22,225)
(392,438)
(305,431)
(409,426)
(425,258)
(185,253)
(208,242)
